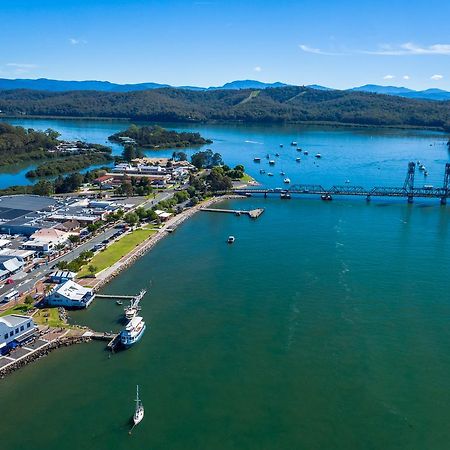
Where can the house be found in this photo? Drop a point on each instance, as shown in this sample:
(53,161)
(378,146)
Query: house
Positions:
(9,266)
(69,226)
(70,295)
(46,239)
(162,214)
(61,276)
(15,329)
(104,180)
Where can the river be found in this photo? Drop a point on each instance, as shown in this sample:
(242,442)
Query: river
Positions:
(324,326)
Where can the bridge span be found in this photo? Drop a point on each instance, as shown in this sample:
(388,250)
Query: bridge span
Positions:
(407,191)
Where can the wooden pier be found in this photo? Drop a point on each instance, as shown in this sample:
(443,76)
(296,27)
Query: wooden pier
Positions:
(252,213)
(112,338)
(115,297)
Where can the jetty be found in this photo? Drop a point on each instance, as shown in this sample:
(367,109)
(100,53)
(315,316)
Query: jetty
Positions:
(115,297)
(252,213)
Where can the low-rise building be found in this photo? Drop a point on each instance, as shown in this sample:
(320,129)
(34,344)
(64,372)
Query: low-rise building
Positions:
(9,266)
(14,330)
(25,256)
(70,295)
(61,276)
(46,240)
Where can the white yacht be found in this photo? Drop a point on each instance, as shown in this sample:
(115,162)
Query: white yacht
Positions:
(287,180)
(139,412)
(231,239)
(272,162)
(318,155)
(132,332)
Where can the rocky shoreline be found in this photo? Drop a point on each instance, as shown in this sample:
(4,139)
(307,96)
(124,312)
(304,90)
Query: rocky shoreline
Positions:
(42,352)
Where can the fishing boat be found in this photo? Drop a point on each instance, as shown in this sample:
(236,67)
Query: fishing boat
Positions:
(305,152)
(271,162)
(133,332)
(139,411)
(299,149)
(270,174)
(297,159)
(294,144)
(287,180)
(231,239)
(257,160)
(318,155)
(133,308)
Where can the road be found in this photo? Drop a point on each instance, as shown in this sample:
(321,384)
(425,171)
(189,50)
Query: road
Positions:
(35,275)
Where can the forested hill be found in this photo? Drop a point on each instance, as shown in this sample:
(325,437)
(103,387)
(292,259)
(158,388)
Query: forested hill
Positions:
(285,104)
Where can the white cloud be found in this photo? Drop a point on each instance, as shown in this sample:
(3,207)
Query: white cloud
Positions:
(76,41)
(388,77)
(257,69)
(406,77)
(436,77)
(21,66)
(318,51)
(409,48)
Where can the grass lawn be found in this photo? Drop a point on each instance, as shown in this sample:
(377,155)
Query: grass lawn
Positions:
(17,309)
(246,178)
(117,250)
(50,317)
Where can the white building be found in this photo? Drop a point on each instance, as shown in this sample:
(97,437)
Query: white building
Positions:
(70,295)
(9,266)
(46,239)
(15,327)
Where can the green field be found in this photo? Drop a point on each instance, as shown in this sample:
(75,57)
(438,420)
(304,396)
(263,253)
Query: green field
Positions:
(17,309)
(117,250)
(50,317)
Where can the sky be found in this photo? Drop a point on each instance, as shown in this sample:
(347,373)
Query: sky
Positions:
(339,43)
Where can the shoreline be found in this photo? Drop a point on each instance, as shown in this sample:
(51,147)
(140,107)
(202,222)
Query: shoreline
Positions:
(108,274)
(229,122)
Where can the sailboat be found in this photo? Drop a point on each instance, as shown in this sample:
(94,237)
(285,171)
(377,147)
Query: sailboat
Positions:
(139,412)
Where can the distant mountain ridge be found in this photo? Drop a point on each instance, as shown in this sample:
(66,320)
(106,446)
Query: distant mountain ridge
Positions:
(44,84)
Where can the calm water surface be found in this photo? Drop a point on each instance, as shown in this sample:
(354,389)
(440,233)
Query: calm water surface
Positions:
(325,326)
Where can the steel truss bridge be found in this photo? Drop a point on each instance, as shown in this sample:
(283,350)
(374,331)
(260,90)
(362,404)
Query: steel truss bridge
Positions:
(407,191)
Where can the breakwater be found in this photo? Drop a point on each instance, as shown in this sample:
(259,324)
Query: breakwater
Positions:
(42,352)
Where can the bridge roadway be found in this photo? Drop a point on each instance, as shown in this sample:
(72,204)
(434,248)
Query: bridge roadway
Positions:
(408,190)
(315,189)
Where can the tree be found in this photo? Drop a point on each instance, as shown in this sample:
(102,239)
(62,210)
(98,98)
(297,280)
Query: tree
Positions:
(28,300)
(92,269)
(218,181)
(43,188)
(131,218)
(73,238)
(179,156)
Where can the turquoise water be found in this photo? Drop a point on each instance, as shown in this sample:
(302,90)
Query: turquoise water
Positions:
(325,326)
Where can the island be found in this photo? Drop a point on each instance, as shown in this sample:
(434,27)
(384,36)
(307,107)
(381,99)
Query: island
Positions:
(155,137)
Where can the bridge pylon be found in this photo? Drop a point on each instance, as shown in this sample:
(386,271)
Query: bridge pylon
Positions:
(446,183)
(408,186)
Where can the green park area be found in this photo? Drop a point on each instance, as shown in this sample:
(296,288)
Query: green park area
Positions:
(116,251)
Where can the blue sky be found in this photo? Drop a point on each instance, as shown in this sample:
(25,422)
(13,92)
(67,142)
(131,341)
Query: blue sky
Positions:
(209,42)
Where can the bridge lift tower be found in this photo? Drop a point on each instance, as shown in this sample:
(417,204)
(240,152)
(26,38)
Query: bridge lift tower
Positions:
(408,186)
(446,183)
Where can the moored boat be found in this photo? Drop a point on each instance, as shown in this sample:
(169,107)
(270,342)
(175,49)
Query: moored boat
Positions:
(231,239)
(318,155)
(257,160)
(133,331)
(139,411)
(287,180)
